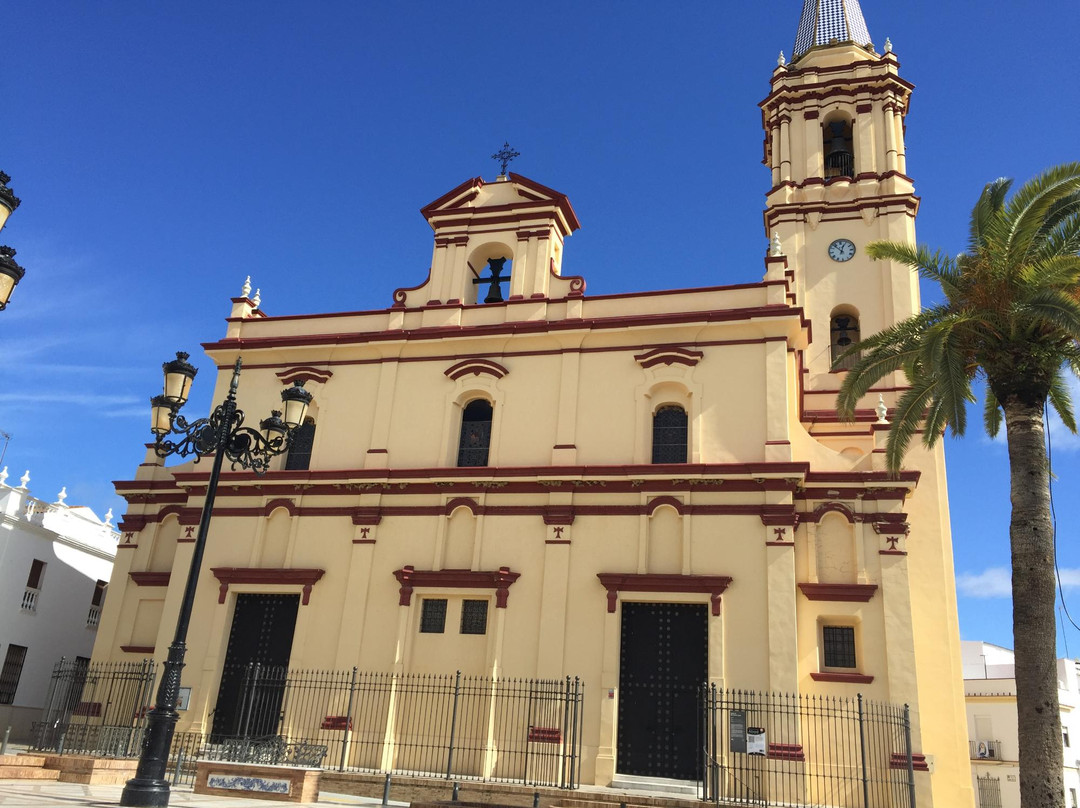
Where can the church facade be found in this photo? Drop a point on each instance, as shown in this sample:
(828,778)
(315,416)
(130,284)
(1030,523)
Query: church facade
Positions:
(561,472)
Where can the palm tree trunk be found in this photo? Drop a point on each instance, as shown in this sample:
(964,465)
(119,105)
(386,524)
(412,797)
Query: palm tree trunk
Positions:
(1034,629)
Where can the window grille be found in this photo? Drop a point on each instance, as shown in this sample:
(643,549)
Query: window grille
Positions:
(433,616)
(669,435)
(474,617)
(303,438)
(475,434)
(989,791)
(9,676)
(839,645)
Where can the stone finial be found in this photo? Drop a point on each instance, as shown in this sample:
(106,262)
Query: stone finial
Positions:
(881,410)
(61,496)
(3,476)
(781,60)
(108,518)
(245,290)
(257,299)
(24,479)
(888,45)
(774,246)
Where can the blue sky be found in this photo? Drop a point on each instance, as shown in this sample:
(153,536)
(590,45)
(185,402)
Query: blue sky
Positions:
(165,151)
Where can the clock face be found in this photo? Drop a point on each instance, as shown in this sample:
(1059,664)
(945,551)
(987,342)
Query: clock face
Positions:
(841,250)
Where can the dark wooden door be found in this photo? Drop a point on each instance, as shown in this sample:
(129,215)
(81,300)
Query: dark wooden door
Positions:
(262,632)
(662,665)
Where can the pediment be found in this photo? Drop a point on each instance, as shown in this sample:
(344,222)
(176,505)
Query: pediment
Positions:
(516,193)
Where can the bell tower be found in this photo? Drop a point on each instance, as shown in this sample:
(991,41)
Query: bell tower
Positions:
(834,141)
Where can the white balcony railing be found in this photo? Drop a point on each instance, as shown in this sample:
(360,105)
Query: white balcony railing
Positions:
(29,600)
(94,617)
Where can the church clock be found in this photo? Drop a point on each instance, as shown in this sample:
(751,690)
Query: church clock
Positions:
(842,250)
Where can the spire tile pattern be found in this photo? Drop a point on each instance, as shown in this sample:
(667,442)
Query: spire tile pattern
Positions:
(826,20)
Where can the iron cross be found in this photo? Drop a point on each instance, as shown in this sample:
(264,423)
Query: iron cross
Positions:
(505,156)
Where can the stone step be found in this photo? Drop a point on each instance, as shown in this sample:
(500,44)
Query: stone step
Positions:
(98,778)
(656,785)
(22,760)
(8,772)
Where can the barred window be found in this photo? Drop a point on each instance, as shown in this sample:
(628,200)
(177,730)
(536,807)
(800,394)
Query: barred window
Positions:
(475,434)
(669,435)
(474,617)
(12,671)
(839,646)
(433,616)
(303,438)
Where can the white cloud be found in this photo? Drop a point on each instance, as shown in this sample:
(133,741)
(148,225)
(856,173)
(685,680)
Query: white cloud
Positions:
(996,582)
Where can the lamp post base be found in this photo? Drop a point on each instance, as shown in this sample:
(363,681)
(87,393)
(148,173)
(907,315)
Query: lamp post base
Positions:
(145,793)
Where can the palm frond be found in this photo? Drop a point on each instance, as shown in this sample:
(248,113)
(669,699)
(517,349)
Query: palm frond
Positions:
(992,415)
(936,265)
(1050,309)
(990,204)
(907,419)
(1026,212)
(1062,239)
(1061,401)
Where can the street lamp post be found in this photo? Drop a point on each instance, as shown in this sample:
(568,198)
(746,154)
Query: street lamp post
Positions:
(222,435)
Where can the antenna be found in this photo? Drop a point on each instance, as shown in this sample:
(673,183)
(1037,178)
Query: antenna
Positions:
(7,439)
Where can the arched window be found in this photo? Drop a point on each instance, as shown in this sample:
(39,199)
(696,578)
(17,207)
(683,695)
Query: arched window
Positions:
(475,433)
(669,435)
(843,333)
(303,438)
(838,149)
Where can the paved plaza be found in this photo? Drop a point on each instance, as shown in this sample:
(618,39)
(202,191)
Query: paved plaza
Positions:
(36,793)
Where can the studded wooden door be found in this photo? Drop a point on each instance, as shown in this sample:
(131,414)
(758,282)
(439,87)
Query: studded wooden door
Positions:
(663,662)
(262,631)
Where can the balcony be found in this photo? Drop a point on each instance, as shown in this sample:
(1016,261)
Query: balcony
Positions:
(985,750)
(29,599)
(93,617)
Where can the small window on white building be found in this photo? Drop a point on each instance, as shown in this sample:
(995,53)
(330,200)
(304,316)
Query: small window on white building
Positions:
(37,573)
(1065,736)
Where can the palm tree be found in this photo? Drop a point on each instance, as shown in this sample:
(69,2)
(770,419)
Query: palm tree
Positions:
(1010,319)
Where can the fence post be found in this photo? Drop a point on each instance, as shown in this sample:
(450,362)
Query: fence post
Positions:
(578,717)
(3,747)
(251,677)
(348,721)
(453,725)
(862,755)
(386,790)
(907,749)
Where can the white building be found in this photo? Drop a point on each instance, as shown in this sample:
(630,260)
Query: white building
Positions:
(55,560)
(990,695)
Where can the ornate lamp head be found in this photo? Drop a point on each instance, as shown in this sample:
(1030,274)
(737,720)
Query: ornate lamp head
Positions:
(296,400)
(10,275)
(178,375)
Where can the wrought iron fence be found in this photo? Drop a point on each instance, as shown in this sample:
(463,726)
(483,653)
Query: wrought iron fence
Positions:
(452,726)
(95,709)
(772,748)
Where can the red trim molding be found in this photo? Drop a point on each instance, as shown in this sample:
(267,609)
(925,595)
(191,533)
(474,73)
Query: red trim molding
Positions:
(149,649)
(669,356)
(500,580)
(851,593)
(150,578)
(304,374)
(287,504)
(898,760)
(616,582)
(786,751)
(258,575)
(476,367)
(852,678)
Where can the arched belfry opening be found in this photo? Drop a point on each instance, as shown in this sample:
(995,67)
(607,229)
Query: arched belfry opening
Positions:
(838,147)
(843,333)
(490,283)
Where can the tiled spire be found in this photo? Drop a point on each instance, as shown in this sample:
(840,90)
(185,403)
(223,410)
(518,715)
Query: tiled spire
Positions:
(826,20)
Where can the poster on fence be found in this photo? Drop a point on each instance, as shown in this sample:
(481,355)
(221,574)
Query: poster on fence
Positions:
(737,730)
(755,741)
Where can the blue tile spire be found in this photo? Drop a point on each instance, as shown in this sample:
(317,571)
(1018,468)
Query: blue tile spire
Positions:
(824,21)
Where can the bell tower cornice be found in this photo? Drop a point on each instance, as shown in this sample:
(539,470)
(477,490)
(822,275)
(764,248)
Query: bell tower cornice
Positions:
(496,241)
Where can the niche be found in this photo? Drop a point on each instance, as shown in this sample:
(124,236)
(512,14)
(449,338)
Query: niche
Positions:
(665,541)
(460,535)
(836,550)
